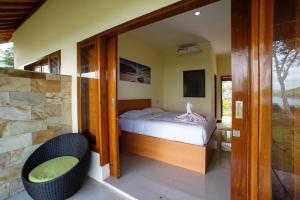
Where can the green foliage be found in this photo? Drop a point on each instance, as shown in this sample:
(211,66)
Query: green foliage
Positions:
(7,57)
(226,107)
(226,104)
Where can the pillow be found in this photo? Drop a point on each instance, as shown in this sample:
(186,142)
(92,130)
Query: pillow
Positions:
(52,169)
(133,114)
(152,110)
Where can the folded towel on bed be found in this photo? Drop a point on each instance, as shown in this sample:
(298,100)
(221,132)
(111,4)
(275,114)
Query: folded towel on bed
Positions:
(190,116)
(189,107)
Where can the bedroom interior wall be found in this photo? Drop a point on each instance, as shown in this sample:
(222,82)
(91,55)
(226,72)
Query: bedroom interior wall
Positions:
(134,49)
(223,69)
(174,66)
(166,88)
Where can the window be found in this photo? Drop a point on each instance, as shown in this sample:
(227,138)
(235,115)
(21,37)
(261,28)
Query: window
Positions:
(7,55)
(48,64)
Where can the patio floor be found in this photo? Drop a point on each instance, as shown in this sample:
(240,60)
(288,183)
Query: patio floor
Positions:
(91,190)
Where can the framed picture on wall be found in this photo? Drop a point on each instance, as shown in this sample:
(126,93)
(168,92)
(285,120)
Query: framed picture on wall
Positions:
(194,83)
(134,72)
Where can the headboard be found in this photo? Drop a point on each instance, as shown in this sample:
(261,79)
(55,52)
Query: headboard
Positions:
(132,104)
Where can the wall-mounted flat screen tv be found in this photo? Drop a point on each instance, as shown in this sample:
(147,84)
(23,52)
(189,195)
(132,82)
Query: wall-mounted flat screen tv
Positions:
(194,83)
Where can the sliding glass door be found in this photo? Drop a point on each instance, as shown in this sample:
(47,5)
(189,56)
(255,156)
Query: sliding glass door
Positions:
(286,100)
(88,91)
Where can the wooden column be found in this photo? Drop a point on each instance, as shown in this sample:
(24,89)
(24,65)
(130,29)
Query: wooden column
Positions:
(103,111)
(240,23)
(266,8)
(112,107)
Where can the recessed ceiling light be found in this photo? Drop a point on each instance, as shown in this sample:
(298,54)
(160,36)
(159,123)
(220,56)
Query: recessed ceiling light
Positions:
(197,13)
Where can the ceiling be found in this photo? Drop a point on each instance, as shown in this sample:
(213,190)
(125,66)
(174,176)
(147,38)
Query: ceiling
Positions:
(13,13)
(212,25)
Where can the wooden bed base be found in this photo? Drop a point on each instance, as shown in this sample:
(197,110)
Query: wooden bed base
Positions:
(188,156)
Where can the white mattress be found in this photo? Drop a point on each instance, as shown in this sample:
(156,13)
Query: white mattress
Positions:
(164,125)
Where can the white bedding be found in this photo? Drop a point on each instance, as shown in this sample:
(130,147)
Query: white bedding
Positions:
(164,125)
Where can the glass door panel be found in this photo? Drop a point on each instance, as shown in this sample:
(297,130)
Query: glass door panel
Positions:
(89,92)
(286,100)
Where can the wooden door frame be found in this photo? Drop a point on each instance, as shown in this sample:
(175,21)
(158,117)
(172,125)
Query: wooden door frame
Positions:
(163,13)
(90,41)
(260,139)
(215,94)
(112,60)
(101,63)
(252,22)
(244,176)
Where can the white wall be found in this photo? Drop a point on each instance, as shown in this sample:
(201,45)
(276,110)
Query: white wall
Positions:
(134,49)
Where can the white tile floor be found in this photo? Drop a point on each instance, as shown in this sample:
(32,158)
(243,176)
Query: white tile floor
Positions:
(148,179)
(91,190)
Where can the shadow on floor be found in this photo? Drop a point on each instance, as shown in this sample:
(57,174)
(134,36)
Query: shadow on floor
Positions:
(149,179)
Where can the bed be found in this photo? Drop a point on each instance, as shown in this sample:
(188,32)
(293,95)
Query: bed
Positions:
(159,136)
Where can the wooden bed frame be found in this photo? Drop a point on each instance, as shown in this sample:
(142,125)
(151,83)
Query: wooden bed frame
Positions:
(189,156)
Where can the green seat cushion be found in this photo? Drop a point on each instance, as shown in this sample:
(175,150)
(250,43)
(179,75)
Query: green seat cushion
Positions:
(52,169)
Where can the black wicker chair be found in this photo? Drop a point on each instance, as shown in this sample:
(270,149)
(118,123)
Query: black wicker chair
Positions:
(66,185)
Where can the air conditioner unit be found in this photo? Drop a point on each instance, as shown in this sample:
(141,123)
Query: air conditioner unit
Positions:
(188,49)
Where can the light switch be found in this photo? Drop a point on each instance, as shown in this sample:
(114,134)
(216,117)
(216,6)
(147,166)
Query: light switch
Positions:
(236,133)
(239,110)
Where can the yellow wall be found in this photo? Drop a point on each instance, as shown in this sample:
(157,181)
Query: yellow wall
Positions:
(223,69)
(138,51)
(174,66)
(166,88)
(60,24)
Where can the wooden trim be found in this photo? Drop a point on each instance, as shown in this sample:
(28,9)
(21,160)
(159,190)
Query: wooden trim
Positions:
(101,62)
(240,34)
(254,103)
(31,13)
(260,182)
(132,104)
(81,45)
(188,156)
(13,13)
(103,111)
(226,78)
(266,10)
(112,46)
